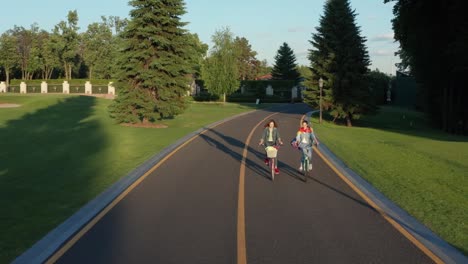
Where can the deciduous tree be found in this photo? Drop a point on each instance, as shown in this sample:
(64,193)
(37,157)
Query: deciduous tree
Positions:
(220,71)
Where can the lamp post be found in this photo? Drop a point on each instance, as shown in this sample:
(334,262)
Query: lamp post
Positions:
(320,85)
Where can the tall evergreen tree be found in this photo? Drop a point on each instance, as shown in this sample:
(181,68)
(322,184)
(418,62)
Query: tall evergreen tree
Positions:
(285,67)
(154,63)
(220,71)
(435,52)
(339,56)
(198,53)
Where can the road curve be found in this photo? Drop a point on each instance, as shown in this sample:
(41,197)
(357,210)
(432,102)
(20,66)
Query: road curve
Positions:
(187,210)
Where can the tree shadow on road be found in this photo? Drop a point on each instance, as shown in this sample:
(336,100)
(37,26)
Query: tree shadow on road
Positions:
(234,148)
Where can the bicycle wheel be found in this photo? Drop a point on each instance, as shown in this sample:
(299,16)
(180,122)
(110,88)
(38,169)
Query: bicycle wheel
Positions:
(272,166)
(305,168)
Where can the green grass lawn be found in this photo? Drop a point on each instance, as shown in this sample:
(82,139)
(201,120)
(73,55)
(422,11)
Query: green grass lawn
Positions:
(423,170)
(57,152)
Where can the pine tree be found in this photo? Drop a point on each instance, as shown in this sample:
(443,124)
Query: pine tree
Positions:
(339,56)
(285,67)
(433,37)
(154,62)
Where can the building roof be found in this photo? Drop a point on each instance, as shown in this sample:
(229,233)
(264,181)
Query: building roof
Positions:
(264,77)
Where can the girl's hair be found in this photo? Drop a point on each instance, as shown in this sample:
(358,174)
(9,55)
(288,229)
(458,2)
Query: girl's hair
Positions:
(271,120)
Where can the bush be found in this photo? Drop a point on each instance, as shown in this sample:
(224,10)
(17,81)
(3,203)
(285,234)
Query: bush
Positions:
(205,96)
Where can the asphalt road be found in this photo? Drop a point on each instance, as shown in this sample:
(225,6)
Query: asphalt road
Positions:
(187,210)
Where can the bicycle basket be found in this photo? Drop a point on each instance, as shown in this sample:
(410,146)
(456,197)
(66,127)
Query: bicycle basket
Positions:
(271,152)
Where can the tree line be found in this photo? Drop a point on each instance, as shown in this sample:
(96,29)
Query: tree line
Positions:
(433,37)
(64,52)
(154,57)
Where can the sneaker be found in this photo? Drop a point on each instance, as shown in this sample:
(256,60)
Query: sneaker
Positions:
(310,167)
(267,161)
(276,171)
(300,168)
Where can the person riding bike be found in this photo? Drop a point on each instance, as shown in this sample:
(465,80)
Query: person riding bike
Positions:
(305,138)
(271,137)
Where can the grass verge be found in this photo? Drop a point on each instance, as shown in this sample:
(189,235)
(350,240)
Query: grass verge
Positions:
(423,170)
(57,152)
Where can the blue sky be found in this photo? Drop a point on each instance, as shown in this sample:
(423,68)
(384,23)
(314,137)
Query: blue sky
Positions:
(265,23)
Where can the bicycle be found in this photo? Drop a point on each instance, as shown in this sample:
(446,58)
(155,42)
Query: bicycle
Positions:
(305,166)
(272,152)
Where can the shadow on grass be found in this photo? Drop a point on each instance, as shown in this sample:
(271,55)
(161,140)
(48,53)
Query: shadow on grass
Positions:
(399,120)
(47,163)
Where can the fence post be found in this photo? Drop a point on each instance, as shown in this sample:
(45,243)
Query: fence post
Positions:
(43,87)
(23,87)
(111,88)
(294,93)
(88,88)
(269,90)
(3,87)
(66,87)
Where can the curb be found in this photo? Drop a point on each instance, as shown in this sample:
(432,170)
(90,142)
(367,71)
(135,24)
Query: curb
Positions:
(43,249)
(424,235)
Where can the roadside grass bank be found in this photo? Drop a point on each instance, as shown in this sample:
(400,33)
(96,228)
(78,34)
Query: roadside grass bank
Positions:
(423,170)
(57,152)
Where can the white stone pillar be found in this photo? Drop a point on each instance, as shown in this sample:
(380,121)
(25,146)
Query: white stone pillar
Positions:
(111,88)
(3,87)
(66,87)
(43,87)
(269,90)
(294,92)
(23,87)
(88,88)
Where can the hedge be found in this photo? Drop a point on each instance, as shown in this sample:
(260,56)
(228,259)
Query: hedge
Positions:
(60,81)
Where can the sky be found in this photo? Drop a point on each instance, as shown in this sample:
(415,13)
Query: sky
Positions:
(266,24)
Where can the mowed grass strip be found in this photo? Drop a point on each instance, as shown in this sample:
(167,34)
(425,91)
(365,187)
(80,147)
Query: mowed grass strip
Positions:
(58,152)
(423,170)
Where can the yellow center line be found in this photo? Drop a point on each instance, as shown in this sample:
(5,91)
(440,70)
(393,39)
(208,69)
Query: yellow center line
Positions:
(59,253)
(389,219)
(241,245)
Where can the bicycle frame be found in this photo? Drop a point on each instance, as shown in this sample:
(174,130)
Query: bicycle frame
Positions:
(271,155)
(272,167)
